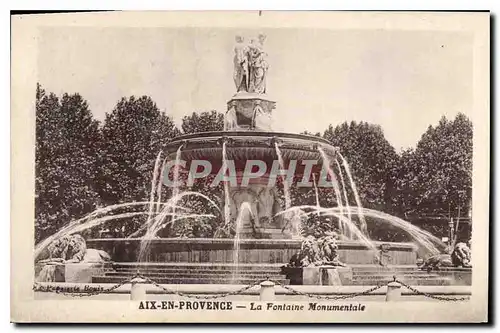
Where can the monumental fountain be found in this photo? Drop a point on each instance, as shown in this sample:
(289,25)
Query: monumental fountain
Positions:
(260,230)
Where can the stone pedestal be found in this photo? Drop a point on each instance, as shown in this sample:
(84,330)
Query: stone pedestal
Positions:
(267,292)
(49,272)
(83,272)
(330,277)
(393,292)
(345,275)
(69,272)
(324,275)
(138,289)
(249,111)
(311,276)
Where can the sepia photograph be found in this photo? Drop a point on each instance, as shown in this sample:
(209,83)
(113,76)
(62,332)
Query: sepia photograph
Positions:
(250,167)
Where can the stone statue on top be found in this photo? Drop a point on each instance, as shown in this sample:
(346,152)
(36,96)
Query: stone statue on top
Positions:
(250,65)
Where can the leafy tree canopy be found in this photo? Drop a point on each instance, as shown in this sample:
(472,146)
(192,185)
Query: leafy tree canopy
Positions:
(66,166)
(371,158)
(203,122)
(436,177)
(133,134)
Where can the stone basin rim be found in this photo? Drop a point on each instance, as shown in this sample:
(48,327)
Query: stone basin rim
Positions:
(229,241)
(250,133)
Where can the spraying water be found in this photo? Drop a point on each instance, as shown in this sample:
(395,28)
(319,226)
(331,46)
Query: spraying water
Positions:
(230,121)
(156,223)
(428,241)
(321,211)
(355,191)
(335,184)
(175,190)
(318,206)
(344,190)
(146,226)
(423,238)
(153,185)
(68,229)
(286,188)
(159,222)
(245,207)
(75,228)
(168,210)
(356,232)
(315,209)
(146,240)
(227,211)
(294,220)
(160,182)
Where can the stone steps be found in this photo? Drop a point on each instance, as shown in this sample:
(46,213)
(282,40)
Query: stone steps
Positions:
(412,274)
(418,282)
(384,269)
(190,280)
(398,276)
(186,273)
(193,271)
(195,267)
(153,275)
(373,275)
(416,275)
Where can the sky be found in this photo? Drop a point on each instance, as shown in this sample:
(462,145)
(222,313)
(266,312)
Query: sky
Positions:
(401,80)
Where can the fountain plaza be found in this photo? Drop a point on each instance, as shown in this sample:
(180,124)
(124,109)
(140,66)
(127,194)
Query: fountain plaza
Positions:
(260,233)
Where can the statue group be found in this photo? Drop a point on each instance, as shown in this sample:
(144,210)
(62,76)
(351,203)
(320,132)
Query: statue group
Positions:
(250,65)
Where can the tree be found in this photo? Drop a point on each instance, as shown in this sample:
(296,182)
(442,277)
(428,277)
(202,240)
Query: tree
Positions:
(436,178)
(371,159)
(312,134)
(406,183)
(133,134)
(203,122)
(67,137)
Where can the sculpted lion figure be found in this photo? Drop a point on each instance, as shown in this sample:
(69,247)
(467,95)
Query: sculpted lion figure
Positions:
(329,251)
(460,257)
(72,249)
(67,249)
(317,252)
(437,261)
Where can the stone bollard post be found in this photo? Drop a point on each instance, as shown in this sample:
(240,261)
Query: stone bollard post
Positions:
(138,289)
(393,292)
(267,291)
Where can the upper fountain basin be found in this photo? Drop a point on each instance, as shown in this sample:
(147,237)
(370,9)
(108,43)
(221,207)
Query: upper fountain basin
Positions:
(248,145)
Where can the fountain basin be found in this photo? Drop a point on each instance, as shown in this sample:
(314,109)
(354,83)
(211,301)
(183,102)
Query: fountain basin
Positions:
(254,184)
(252,251)
(247,145)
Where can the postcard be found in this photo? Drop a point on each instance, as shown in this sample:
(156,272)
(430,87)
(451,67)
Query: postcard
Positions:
(272,167)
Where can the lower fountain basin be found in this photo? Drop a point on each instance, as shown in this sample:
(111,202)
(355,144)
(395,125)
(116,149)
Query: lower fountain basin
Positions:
(252,251)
